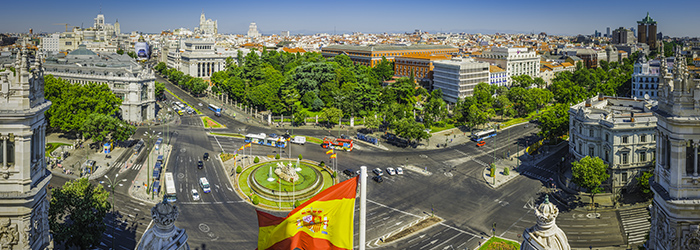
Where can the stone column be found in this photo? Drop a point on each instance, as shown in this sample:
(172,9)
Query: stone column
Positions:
(3,139)
(316,118)
(269,119)
(352,121)
(695,159)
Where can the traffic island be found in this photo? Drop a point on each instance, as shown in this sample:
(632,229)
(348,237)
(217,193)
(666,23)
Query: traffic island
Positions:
(268,186)
(411,229)
(496,243)
(209,123)
(502,174)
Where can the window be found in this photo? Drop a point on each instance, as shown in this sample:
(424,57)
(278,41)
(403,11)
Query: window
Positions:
(590,132)
(607,137)
(591,151)
(625,139)
(643,138)
(8,155)
(624,158)
(643,156)
(607,154)
(624,177)
(579,147)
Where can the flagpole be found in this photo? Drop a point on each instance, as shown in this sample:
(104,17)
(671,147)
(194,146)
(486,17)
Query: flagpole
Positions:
(363,205)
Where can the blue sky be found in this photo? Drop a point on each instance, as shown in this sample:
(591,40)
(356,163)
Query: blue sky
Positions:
(677,18)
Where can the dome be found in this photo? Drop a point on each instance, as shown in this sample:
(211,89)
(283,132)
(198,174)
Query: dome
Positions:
(82,51)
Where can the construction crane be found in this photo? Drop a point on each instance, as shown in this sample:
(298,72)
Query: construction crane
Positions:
(66,24)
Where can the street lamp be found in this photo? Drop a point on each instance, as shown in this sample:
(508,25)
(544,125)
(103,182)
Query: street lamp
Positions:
(111,184)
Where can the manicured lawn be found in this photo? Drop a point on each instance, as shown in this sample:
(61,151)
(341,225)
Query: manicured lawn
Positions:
(195,110)
(313,140)
(306,177)
(51,146)
(229,135)
(496,243)
(434,129)
(209,123)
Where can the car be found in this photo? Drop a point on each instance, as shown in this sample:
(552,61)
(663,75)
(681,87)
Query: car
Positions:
(378,179)
(273,135)
(206,156)
(200,165)
(378,171)
(480,143)
(195,195)
(349,172)
(205,185)
(390,171)
(399,170)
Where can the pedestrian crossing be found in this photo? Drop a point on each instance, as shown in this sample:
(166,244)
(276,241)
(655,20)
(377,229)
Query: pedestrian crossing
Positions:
(635,223)
(533,175)
(121,165)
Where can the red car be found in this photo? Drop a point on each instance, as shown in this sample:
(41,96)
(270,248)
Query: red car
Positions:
(480,143)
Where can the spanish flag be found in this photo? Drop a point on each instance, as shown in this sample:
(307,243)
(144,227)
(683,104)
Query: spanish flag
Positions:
(323,222)
(329,151)
(248,145)
(333,156)
(242,147)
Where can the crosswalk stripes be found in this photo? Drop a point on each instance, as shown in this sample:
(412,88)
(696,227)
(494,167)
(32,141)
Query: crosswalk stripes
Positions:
(533,175)
(635,223)
(136,166)
(118,165)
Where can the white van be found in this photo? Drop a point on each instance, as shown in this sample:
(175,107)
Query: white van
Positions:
(204,184)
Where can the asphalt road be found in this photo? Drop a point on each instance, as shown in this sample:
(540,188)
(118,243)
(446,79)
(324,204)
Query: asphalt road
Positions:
(455,191)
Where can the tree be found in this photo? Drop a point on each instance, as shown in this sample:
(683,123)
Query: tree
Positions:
(331,115)
(554,122)
(643,182)
(384,70)
(160,89)
(72,103)
(239,169)
(197,86)
(77,213)
(589,173)
(523,81)
(372,122)
(131,54)
(120,51)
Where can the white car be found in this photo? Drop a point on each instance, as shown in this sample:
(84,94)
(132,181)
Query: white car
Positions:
(390,171)
(195,195)
(399,170)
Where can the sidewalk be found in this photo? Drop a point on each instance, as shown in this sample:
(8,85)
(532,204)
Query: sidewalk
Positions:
(142,182)
(78,155)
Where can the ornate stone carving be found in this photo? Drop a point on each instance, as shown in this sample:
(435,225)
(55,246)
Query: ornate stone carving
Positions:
(691,240)
(286,172)
(164,214)
(9,235)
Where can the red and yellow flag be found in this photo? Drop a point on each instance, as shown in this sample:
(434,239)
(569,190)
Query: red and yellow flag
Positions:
(323,222)
(329,151)
(333,156)
(248,145)
(242,147)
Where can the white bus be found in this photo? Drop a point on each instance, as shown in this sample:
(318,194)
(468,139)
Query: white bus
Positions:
(217,110)
(483,135)
(170,192)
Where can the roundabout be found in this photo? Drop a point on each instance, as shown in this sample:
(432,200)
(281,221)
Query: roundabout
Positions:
(280,184)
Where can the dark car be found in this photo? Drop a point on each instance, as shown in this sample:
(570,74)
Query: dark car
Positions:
(349,172)
(378,179)
(206,156)
(200,165)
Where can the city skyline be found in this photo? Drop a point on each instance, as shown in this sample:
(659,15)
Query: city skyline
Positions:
(308,17)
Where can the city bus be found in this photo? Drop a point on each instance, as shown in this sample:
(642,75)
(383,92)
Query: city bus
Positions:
(483,135)
(170,192)
(217,110)
(262,139)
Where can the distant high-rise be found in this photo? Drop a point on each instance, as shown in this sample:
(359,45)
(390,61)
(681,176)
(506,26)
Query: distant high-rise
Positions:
(607,34)
(284,33)
(253,30)
(622,36)
(647,31)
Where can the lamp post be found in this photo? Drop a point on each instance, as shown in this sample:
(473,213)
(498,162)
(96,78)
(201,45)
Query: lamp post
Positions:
(111,184)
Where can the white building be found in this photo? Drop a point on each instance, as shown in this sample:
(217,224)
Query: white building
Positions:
(23,187)
(284,33)
(620,131)
(645,78)
(458,77)
(497,76)
(253,30)
(200,58)
(130,82)
(675,221)
(516,61)
(50,43)
(207,26)
(101,33)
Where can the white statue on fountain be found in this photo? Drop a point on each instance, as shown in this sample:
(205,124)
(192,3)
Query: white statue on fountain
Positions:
(287,172)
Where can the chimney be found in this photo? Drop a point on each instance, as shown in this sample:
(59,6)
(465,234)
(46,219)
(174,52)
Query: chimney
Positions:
(632,117)
(588,102)
(600,96)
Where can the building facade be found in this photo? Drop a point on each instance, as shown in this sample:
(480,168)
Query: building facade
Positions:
(420,66)
(516,61)
(24,206)
(372,55)
(458,77)
(253,30)
(675,221)
(497,76)
(645,78)
(622,36)
(201,58)
(133,84)
(646,32)
(50,43)
(620,131)
(207,26)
